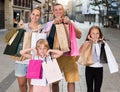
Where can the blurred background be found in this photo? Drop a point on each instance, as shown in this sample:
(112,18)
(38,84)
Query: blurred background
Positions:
(103,12)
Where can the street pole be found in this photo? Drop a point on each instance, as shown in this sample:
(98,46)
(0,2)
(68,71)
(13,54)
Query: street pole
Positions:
(48,11)
(31,5)
(119,12)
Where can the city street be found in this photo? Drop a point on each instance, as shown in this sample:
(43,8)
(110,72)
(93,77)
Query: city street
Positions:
(111,82)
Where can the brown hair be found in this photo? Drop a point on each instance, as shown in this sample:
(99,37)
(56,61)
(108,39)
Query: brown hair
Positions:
(39,9)
(42,41)
(56,4)
(95,27)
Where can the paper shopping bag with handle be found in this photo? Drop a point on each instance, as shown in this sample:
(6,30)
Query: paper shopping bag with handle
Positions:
(62,37)
(34,69)
(73,43)
(86,55)
(52,70)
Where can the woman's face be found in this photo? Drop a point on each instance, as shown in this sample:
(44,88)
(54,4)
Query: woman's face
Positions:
(58,11)
(42,50)
(95,34)
(35,15)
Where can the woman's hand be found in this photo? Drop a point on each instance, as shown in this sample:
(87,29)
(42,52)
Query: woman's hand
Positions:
(21,24)
(66,20)
(39,27)
(57,20)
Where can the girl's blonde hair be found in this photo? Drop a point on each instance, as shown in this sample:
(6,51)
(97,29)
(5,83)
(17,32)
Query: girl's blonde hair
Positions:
(42,41)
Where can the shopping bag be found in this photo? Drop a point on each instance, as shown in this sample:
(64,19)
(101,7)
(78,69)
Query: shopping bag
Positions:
(86,54)
(74,51)
(66,26)
(12,49)
(9,34)
(20,46)
(50,38)
(56,43)
(34,69)
(78,32)
(62,37)
(52,70)
(112,64)
(103,58)
(18,56)
(12,38)
(35,37)
(27,40)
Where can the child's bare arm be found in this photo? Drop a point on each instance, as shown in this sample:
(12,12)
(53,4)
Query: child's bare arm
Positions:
(26,52)
(54,53)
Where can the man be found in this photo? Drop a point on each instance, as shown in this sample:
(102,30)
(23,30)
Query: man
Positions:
(67,63)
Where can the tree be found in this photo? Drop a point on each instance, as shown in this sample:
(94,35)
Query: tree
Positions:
(104,3)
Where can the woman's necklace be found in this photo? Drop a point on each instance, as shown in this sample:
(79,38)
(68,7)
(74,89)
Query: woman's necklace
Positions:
(33,27)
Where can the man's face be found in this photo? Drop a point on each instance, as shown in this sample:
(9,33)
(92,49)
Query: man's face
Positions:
(58,11)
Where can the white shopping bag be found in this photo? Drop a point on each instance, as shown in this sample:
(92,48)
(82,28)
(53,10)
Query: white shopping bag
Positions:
(35,37)
(52,71)
(112,64)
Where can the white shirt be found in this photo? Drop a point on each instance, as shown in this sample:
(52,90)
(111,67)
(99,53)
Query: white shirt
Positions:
(96,54)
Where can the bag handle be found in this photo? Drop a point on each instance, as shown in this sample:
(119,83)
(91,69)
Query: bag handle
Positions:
(34,54)
(48,58)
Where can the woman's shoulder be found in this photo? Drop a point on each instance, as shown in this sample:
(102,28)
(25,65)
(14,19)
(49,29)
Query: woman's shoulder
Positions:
(26,24)
(48,26)
(49,23)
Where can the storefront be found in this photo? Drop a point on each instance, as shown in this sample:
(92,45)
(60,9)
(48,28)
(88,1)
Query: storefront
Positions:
(2,14)
(16,17)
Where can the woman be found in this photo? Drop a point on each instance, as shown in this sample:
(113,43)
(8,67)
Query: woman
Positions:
(21,67)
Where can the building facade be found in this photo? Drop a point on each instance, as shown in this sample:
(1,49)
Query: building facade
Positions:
(11,11)
(2,23)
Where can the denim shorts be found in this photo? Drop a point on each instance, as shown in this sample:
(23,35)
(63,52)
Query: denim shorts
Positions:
(20,69)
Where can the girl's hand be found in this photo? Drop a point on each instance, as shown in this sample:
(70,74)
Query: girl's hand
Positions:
(102,40)
(94,40)
(90,38)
